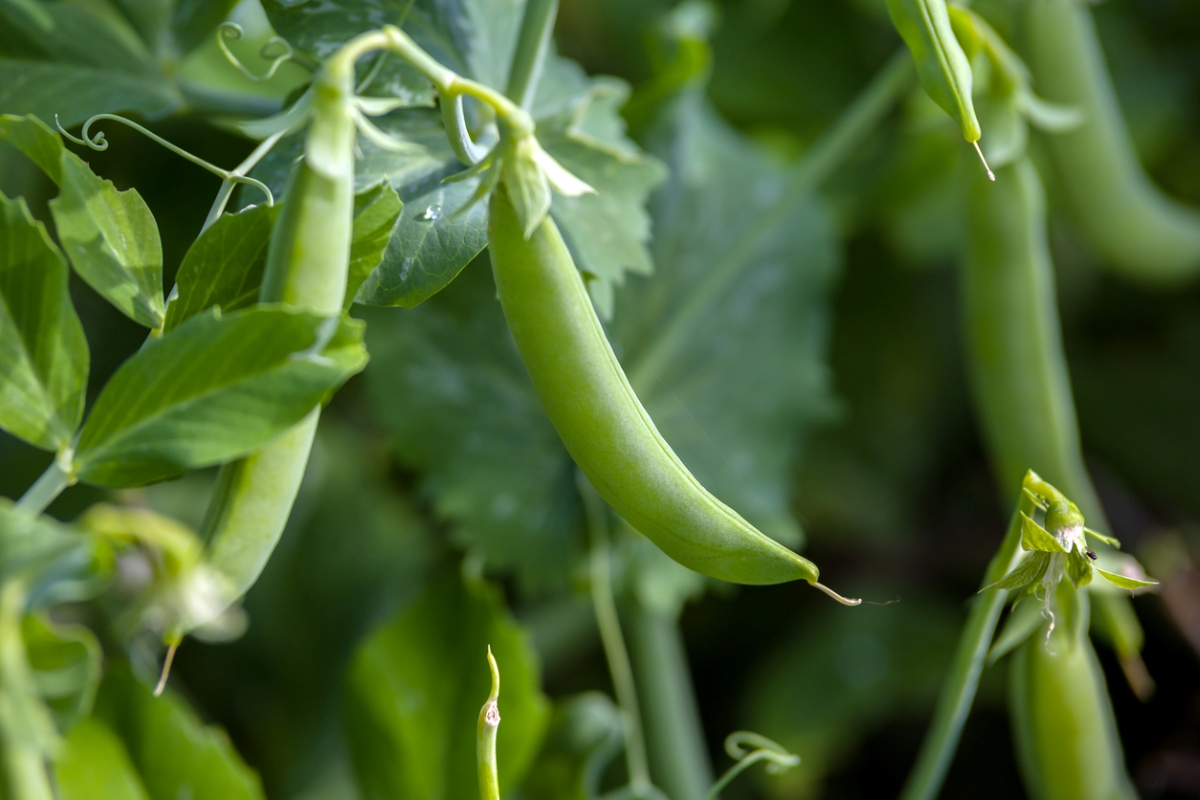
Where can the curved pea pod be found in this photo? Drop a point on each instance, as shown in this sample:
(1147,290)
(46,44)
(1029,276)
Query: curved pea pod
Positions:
(943,67)
(1063,725)
(1128,221)
(587,397)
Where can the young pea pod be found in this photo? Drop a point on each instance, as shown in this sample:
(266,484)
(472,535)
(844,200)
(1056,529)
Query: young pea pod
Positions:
(1014,344)
(589,400)
(1129,222)
(307,261)
(943,67)
(1063,725)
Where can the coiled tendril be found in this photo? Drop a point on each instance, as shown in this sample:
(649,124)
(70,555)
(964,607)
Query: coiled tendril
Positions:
(233,31)
(98,141)
(761,749)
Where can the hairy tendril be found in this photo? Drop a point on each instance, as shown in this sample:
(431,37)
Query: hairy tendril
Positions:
(98,142)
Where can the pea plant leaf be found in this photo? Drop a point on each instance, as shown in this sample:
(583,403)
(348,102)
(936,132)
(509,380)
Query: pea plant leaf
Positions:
(321,28)
(415,687)
(376,213)
(174,753)
(37,140)
(76,60)
(224,266)
(578,123)
(43,352)
(732,303)
(112,241)
(215,388)
(93,762)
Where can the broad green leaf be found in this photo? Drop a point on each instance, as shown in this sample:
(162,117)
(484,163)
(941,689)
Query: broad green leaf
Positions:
(43,353)
(452,390)
(76,60)
(375,215)
(224,266)
(584,735)
(193,21)
(94,763)
(112,241)
(214,389)
(175,754)
(321,28)
(415,687)
(65,660)
(37,140)
(1035,537)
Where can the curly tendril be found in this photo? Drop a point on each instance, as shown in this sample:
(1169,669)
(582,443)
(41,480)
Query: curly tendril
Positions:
(760,749)
(233,31)
(98,142)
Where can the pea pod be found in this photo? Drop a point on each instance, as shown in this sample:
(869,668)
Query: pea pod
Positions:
(1130,223)
(1023,397)
(1063,724)
(307,261)
(587,397)
(943,67)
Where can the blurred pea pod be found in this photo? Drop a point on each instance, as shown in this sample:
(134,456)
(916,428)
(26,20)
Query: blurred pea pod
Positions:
(1063,725)
(1019,372)
(943,67)
(1129,222)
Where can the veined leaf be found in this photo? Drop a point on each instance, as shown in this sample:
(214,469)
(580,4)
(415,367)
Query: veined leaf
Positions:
(37,140)
(175,754)
(43,352)
(215,388)
(375,215)
(414,689)
(1125,582)
(224,266)
(112,241)
(76,60)
(95,763)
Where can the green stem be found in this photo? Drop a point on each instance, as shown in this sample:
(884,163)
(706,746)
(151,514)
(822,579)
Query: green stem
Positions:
(829,152)
(674,734)
(533,43)
(227,183)
(958,691)
(614,642)
(47,487)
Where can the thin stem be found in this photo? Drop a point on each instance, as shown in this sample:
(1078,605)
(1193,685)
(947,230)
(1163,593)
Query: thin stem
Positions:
(47,487)
(958,691)
(829,152)
(609,624)
(679,761)
(533,43)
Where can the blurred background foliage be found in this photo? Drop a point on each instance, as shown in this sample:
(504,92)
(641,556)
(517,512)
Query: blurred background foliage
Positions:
(825,388)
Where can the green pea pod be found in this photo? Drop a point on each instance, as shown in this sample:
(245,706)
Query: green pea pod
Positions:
(1014,343)
(307,262)
(1129,222)
(1018,368)
(944,68)
(587,397)
(1063,724)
